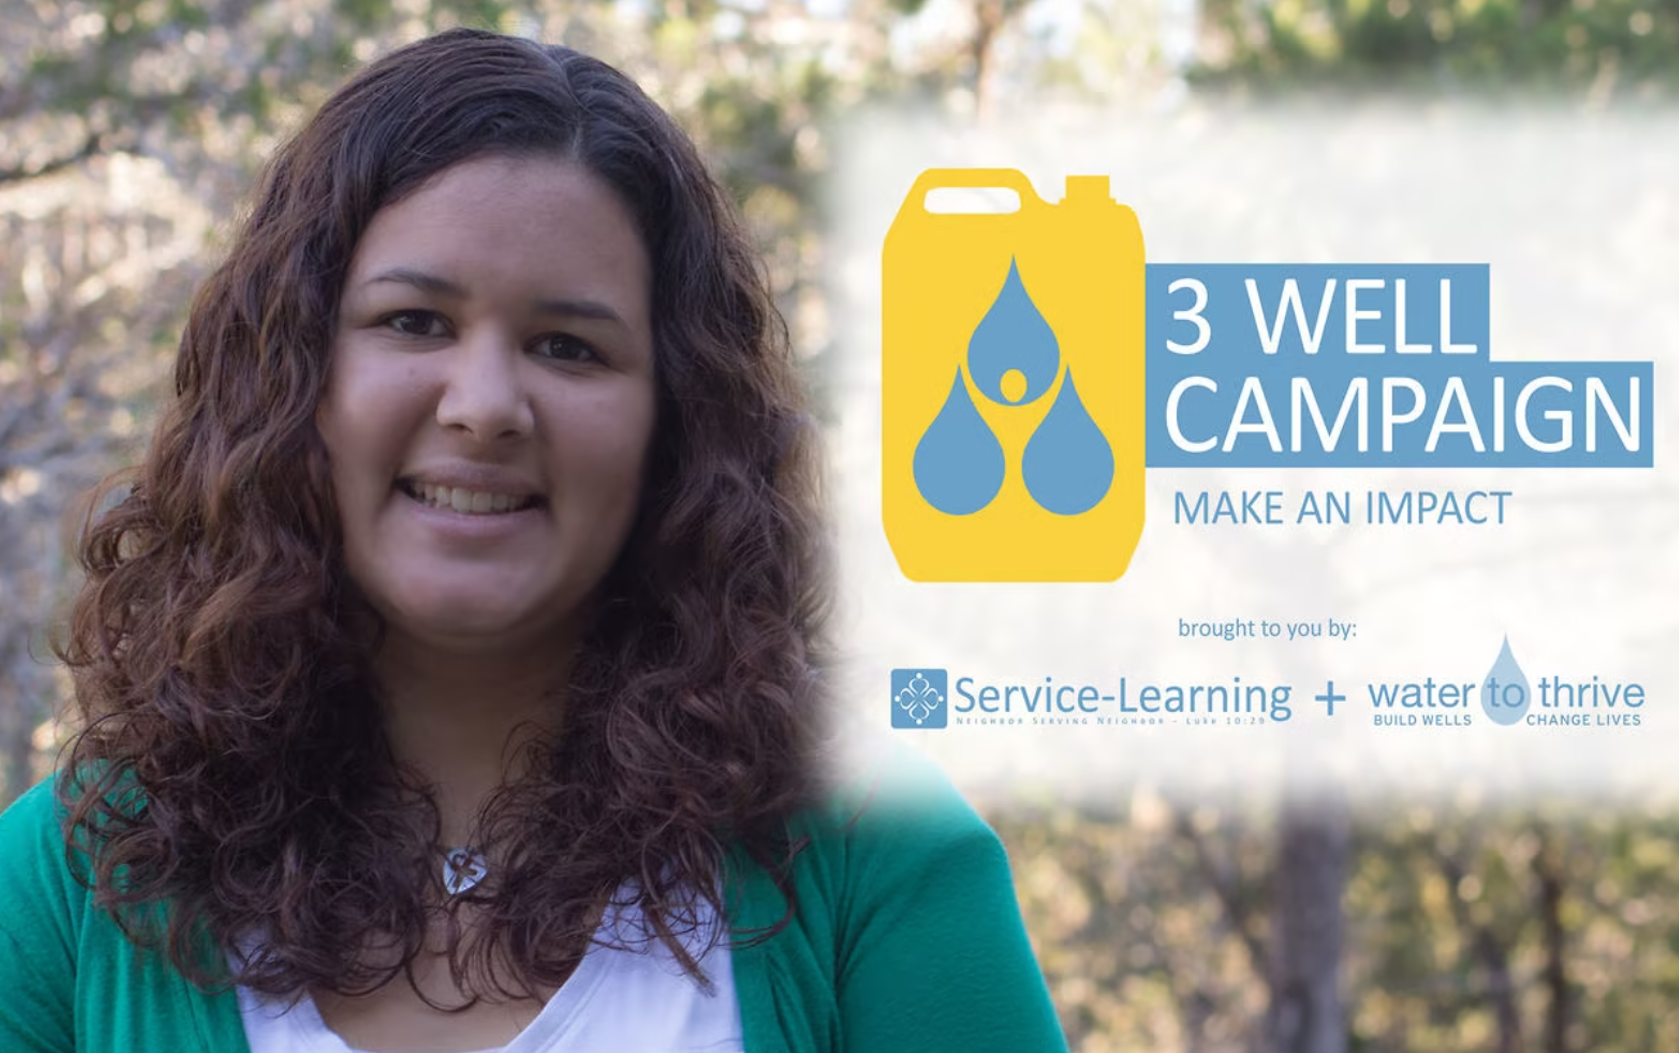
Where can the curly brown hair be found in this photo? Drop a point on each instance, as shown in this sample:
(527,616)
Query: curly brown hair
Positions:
(232,791)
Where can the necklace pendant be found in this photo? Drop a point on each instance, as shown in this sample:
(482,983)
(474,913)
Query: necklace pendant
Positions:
(462,869)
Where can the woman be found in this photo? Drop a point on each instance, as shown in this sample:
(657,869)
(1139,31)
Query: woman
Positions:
(449,671)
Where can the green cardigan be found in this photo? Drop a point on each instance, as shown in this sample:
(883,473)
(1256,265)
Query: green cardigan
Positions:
(907,937)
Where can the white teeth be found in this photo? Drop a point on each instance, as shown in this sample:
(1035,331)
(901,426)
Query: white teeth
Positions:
(471,502)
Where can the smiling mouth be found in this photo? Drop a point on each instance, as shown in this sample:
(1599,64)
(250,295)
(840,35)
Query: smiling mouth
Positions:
(466,502)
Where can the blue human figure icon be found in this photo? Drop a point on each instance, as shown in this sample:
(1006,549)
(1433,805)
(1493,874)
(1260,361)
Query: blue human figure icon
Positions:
(1014,359)
(1013,338)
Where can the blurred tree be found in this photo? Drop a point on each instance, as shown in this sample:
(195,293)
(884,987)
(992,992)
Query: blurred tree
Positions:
(1599,47)
(1552,930)
(129,130)
(1308,879)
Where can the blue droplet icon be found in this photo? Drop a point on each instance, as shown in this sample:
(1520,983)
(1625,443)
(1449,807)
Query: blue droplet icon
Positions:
(1013,337)
(1068,464)
(959,462)
(1506,694)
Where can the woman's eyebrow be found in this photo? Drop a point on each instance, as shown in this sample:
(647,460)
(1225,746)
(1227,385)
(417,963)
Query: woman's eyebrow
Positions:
(420,280)
(440,286)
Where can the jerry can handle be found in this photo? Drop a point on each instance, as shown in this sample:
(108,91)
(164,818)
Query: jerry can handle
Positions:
(972,178)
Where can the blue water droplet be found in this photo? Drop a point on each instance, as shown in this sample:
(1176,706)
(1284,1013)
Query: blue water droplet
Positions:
(1068,464)
(1013,335)
(1506,694)
(959,462)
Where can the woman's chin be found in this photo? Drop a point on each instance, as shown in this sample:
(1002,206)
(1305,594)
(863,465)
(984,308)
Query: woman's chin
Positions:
(466,623)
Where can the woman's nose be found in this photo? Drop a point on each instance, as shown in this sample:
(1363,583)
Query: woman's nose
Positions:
(484,389)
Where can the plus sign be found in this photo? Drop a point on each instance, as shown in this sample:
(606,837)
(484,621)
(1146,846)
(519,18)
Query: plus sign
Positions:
(1330,697)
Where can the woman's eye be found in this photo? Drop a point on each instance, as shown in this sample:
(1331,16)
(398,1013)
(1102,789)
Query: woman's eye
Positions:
(563,348)
(414,323)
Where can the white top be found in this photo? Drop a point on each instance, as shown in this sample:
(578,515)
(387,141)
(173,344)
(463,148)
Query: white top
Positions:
(629,997)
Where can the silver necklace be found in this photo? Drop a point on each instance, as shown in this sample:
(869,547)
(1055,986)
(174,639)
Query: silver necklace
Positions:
(462,869)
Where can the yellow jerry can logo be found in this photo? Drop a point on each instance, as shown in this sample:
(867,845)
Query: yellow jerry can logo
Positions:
(1012,384)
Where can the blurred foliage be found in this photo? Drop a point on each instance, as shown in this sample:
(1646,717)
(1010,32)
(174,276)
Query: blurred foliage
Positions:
(130,128)
(1134,915)
(1553,46)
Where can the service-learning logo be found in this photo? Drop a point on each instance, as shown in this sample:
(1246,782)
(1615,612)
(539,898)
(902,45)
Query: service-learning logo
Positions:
(924,697)
(1033,365)
(920,698)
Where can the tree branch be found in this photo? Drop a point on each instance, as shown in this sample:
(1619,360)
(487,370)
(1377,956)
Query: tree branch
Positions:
(1547,866)
(1236,907)
(94,145)
(1493,955)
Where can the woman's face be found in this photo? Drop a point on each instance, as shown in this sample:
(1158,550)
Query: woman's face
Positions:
(490,401)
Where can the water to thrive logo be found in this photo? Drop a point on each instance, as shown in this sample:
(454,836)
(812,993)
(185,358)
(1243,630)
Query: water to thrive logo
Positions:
(1013,385)
(920,698)
(1556,701)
